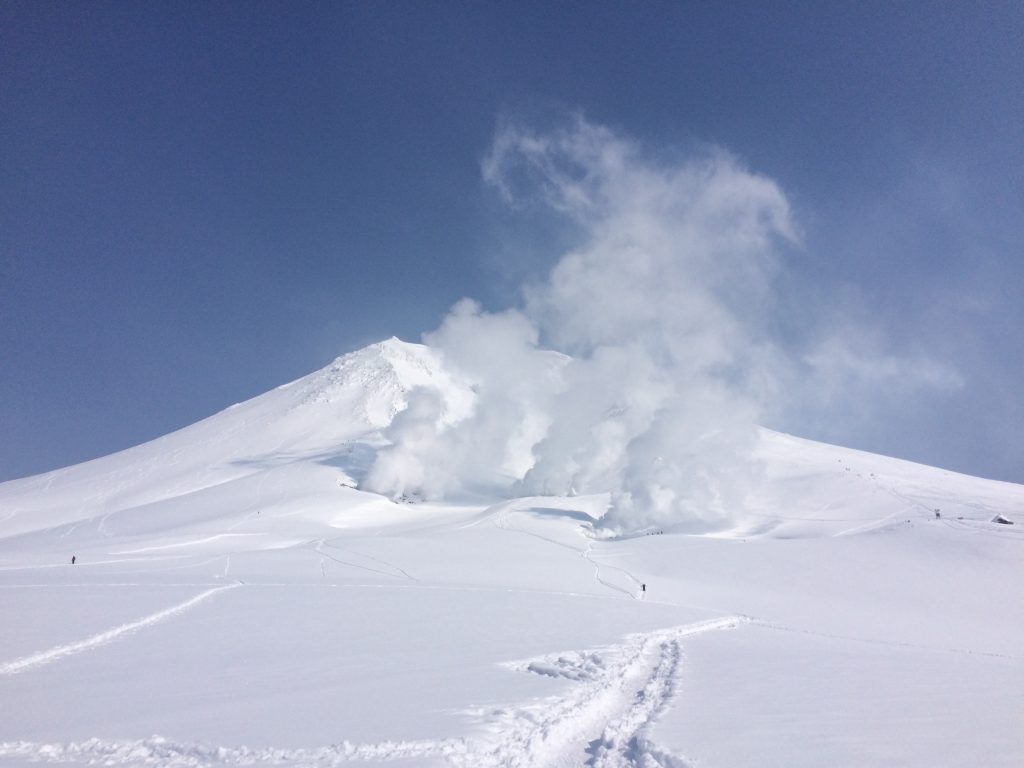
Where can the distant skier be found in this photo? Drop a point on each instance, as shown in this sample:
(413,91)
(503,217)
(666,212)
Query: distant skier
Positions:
(643,587)
(937,514)
(73,559)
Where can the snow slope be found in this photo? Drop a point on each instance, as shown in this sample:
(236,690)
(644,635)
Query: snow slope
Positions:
(236,600)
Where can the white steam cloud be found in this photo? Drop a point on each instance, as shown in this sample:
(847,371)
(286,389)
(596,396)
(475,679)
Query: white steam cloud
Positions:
(660,311)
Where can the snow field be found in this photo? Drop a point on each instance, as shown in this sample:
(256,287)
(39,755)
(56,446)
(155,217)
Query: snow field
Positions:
(238,596)
(103,638)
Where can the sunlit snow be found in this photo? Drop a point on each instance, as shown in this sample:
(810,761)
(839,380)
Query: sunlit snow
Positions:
(237,599)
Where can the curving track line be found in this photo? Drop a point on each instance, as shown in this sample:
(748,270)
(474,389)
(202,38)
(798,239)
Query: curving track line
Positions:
(51,655)
(603,720)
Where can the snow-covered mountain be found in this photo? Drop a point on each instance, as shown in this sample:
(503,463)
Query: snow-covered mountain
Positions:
(237,593)
(309,425)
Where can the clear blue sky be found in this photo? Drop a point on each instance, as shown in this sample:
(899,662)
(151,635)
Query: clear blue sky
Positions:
(201,201)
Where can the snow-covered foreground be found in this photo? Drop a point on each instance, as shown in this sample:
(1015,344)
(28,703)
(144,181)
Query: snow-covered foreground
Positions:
(237,601)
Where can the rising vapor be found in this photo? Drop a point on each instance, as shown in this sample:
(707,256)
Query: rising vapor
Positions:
(657,309)
(658,312)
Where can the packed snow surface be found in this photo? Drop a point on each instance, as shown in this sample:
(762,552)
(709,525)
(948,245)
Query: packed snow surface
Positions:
(237,600)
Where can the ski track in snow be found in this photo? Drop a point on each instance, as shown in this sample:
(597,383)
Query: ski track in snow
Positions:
(331,545)
(319,550)
(103,638)
(603,720)
(876,641)
(501,519)
(587,555)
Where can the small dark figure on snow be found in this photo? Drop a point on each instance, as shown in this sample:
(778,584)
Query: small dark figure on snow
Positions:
(73,559)
(937,514)
(643,587)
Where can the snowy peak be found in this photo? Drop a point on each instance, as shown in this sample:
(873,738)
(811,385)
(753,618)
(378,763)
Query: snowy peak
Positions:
(306,421)
(374,380)
(293,448)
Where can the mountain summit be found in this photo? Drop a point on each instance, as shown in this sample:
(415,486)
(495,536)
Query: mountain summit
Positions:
(234,588)
(324,429)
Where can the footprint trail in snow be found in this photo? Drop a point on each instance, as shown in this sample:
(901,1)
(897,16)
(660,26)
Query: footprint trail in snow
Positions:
(602,720)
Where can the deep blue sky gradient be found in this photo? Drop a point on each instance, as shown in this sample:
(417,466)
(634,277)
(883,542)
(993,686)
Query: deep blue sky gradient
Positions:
(199,202)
